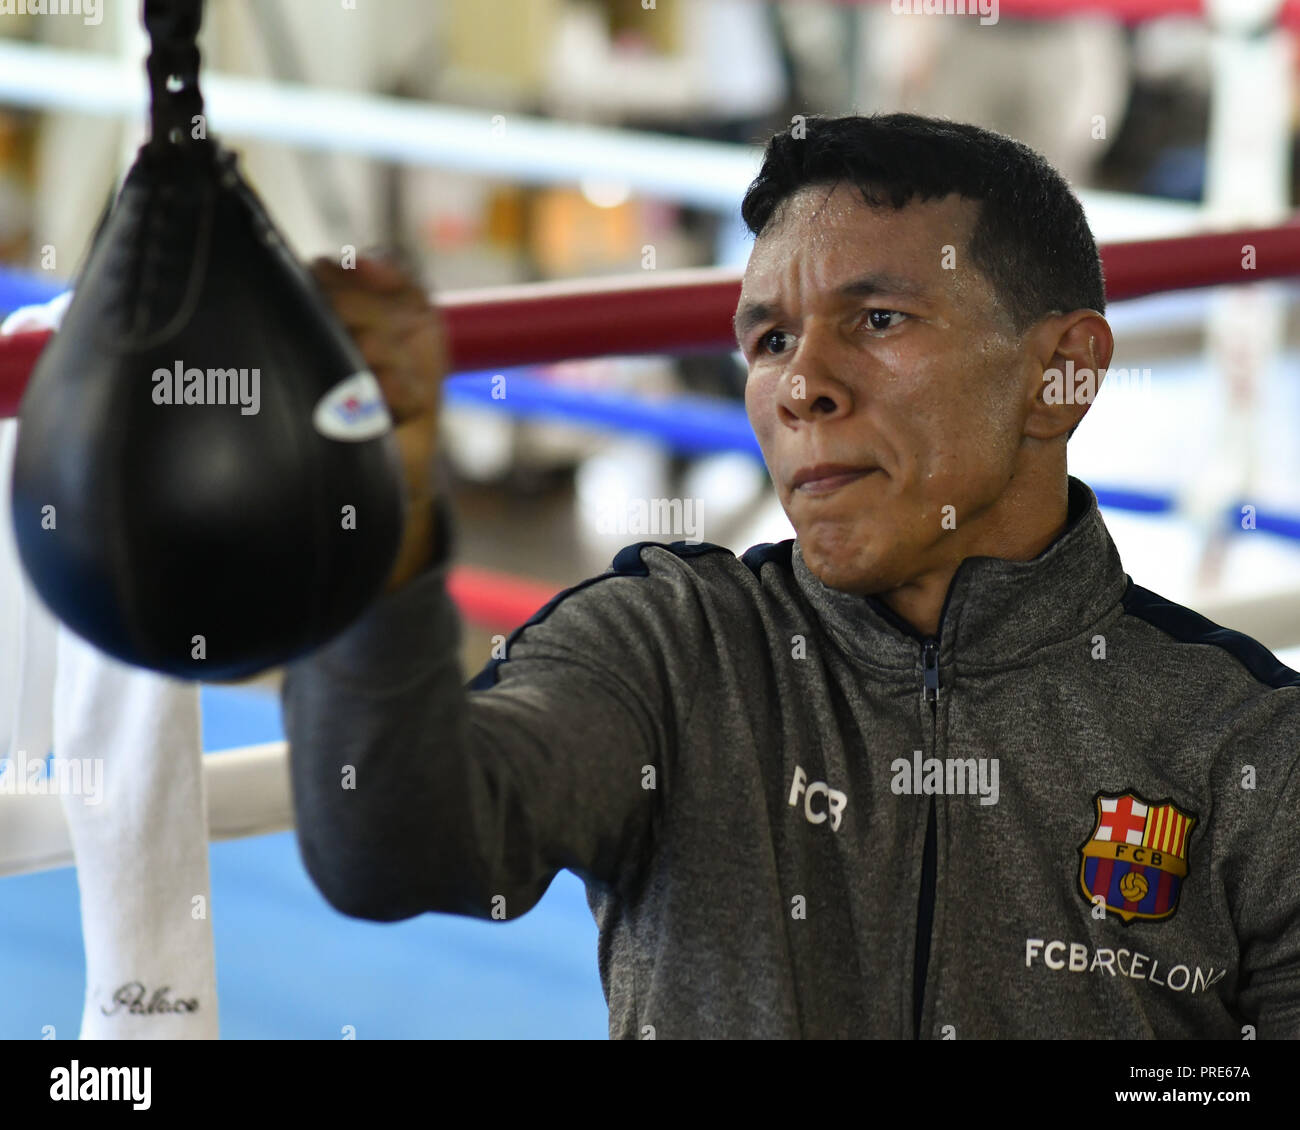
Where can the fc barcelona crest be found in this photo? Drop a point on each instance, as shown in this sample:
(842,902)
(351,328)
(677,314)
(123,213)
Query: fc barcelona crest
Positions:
(1137,856)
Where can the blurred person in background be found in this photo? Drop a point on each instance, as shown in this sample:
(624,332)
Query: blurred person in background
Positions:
(1058,85)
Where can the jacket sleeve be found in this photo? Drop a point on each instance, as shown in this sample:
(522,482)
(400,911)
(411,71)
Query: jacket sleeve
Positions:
(414,793)
(1268,920)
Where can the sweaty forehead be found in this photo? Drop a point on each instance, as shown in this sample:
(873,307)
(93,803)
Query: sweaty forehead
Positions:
(821,234)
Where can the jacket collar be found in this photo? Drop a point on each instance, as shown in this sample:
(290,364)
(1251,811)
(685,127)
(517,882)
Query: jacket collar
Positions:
(997,612)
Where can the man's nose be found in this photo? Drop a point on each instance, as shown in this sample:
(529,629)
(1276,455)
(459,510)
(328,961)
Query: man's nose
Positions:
(811,391)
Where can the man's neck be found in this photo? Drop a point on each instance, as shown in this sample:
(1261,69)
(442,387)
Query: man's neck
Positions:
(1015,529)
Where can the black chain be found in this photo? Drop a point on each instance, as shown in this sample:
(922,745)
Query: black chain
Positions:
(173,67)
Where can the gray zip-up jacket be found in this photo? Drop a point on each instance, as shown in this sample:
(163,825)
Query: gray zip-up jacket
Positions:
(1073,813)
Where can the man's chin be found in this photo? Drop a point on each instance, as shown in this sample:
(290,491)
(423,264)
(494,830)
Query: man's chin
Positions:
(853,569)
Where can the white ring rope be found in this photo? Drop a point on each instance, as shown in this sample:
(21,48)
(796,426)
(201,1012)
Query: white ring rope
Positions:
(247,793)
(706,174)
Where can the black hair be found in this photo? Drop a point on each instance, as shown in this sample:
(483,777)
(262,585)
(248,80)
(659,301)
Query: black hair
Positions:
(1031,239)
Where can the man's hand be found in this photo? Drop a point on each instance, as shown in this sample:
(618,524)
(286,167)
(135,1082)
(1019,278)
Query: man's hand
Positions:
(401,337)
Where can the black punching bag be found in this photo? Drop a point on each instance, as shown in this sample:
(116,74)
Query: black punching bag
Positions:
(206,481)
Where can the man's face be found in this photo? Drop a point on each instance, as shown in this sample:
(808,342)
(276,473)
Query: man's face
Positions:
(872,342)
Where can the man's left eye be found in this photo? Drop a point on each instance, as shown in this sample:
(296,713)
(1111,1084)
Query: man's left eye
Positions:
(879,319)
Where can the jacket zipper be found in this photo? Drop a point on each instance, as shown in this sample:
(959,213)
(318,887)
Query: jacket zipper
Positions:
(925,907)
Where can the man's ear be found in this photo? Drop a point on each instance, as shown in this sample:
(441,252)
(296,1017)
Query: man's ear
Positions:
(1072,352)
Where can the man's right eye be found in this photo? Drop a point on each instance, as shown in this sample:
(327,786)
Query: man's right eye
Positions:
(766,339)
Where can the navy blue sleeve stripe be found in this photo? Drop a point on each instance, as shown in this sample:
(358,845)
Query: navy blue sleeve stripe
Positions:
(627,563)
(1191,627)
(757,556)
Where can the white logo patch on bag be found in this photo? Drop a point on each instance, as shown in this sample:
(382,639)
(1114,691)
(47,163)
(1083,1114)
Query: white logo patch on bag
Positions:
(353,410)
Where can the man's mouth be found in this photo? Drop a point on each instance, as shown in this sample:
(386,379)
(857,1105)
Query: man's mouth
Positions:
(825,478)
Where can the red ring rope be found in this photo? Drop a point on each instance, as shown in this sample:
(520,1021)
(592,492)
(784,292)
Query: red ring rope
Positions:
(496,600)
(684,310)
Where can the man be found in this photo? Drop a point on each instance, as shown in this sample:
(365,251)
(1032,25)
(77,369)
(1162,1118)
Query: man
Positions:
(935,768)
